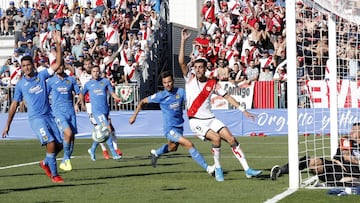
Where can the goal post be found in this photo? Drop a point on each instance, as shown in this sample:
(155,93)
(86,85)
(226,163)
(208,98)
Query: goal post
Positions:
(323,38)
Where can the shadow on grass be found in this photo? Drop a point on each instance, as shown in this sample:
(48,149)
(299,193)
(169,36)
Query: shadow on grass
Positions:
(6,191)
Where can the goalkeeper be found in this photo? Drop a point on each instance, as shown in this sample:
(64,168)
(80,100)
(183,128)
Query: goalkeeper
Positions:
(343,168)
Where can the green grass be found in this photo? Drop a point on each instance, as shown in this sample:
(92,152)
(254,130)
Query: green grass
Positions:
(176,179)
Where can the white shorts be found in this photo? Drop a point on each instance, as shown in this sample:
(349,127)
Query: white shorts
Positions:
(201,126)
(88,110)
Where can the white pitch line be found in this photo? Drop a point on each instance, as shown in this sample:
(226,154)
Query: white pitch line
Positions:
(281,196)
(24,164)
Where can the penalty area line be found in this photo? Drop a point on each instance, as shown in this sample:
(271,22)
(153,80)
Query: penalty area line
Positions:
(281,196)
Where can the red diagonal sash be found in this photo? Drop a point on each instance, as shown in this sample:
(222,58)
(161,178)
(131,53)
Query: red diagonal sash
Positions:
(268,61)
(131,73)
(233,40)
(200,99)
(125,57)
(108,36)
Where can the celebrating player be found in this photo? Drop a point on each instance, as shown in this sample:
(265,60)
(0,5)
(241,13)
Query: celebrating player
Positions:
(32,89)
(171,101)
(202,121)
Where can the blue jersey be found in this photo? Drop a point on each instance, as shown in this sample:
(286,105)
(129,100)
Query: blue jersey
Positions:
(61,94)
(171,104)
(98,95)
(34,92)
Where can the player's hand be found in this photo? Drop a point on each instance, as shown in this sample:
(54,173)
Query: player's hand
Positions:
(5,132)
(185,34)
(249,115)
(132,119)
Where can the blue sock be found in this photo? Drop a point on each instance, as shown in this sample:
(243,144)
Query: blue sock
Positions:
(51,162)
(162,150)
(198,157)
(111,147)
(66,151)
(93,146)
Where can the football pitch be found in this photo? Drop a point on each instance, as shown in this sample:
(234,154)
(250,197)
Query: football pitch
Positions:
(177,177)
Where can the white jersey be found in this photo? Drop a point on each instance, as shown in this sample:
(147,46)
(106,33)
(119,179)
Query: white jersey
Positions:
(84,78)
(198,96)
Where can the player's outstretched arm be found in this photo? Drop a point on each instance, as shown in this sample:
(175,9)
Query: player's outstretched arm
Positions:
(12,111)
(137,110)
(233,102)
(57,39)
(181,59)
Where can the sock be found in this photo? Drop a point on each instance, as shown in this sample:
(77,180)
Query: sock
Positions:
(240,156)
(94,146)
(216,153)
(51,162)
(197,157)
(109,142)
(66,151)
(102,145)
(114,140)
(162,150)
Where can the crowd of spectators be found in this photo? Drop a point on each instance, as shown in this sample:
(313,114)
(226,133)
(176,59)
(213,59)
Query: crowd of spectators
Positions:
(114,34)
(244,42)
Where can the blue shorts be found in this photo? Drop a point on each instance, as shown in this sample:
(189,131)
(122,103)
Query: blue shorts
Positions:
(101,119)
(174,135)
(64,121)
(45,129)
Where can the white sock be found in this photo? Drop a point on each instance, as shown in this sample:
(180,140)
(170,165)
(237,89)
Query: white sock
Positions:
(240,156)
(114,140)
(102,145)
(216,153)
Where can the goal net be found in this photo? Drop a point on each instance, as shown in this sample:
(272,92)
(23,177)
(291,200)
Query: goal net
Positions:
(327,59)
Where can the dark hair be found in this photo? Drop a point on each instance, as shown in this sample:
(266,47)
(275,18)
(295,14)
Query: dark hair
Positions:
(166,74)
(27,58)
(356,124)
(201,60)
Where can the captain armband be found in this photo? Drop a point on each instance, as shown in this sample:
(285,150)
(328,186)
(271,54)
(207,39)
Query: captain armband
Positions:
(240,108)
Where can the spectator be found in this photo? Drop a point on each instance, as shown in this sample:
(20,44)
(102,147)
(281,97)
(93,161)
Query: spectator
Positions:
(9,21)
(26,10)
(281,76)
(266,74)
(30,48)
(20,21)
(252,72)
(236,75)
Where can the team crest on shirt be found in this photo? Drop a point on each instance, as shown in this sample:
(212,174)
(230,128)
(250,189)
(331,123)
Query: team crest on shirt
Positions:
(208,89)
(177,96)
(101,83)
(37,80)
(67,82)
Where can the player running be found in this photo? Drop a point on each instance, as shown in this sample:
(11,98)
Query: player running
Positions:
(61,87)
(97,88)
(171,101)
(202,120)
(85,76)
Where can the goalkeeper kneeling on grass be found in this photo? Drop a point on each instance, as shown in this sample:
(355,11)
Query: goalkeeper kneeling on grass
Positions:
(344,168)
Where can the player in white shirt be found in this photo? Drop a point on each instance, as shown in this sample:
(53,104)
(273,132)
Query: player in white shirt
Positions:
(84,77)
(202,120)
